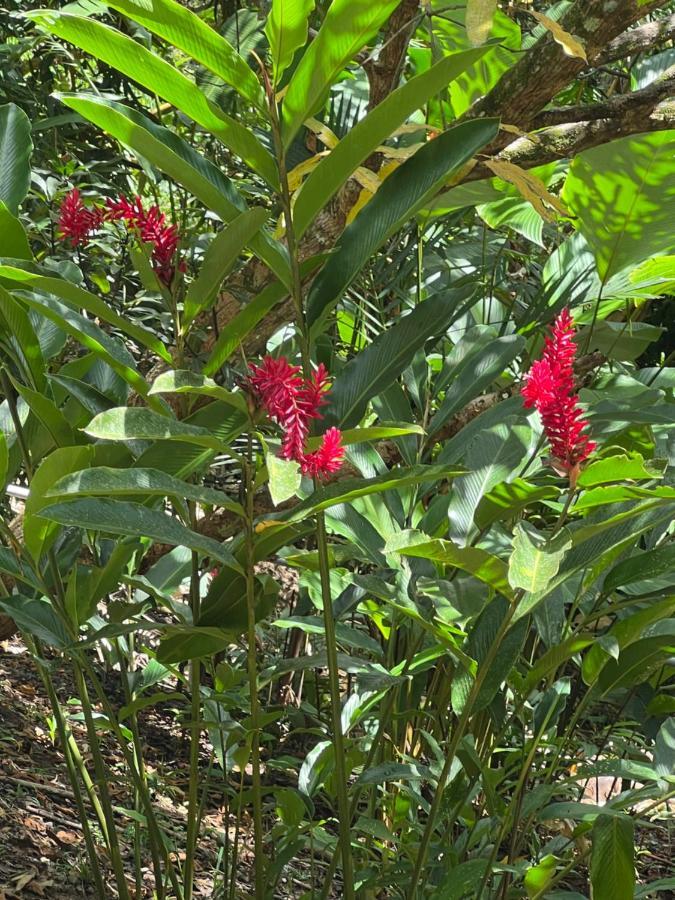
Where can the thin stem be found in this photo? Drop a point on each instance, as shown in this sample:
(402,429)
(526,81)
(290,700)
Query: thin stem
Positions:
(457,735)
(252,665)
(195,735)
(344,811)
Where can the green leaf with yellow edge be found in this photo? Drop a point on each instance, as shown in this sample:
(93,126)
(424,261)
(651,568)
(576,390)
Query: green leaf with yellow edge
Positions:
(509,498)
(284,478)
(535,559)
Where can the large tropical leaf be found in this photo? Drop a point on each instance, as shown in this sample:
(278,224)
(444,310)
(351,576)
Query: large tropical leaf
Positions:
(623,195)
(147,68)
(405,192)
(15,150)
(286,29)
(332,172)
(348,25)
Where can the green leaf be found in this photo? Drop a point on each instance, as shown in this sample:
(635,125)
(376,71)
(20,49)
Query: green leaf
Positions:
(123,423)
(507,499)
(403,193)
(622,467)
(19,334)
(181,643)
(219,260)
(49,414)
(623,195)
(173,155)
(105,481)
(78,298)
(15,150)
(286,29)
(13,238)
(612,860)
(37,617)
(486,567)
(284,478)
(120,517)
(637,662)
(87,333)
(391,771)
(664,751)
(535,560)
(478,21)
(133,60)
(478,366)
(621,340)
(641,567)
(350,488)
(537,878)
(371,131)
(38,533)
(460,882)
(373,369)
(181,27)
(181,381)
(346,28)
(4,461)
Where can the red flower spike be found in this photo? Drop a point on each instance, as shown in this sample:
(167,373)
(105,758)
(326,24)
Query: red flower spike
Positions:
(292,401)
(76,222)
(549,388)
(151,228)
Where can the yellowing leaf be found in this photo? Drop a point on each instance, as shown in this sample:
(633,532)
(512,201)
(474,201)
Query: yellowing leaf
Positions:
(479,16)
(323,132)
(570,44)
(530,186)
(296,175)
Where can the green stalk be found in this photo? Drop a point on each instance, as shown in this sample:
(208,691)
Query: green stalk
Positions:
(252,666)
(195,735)
(344,811)
(457,736)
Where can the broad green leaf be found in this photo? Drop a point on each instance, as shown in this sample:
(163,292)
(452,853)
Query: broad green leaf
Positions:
(507,499)
(49,414)
(13,238)
(350,637)
(181,643)
(4,461)
(371,131)
(478,645)
(637,662)
(219,260)
(621,340)
(181,381)
(641,567)
(284,478)
(120,517)
(134,423)
(15,151)
(158,76)
(476,370)
(348,489)
(664,751)
(623,195)
(612,859)
(535,560)
(486,567)
(87,333)
(38,618)
(373,369)
(286,29)
(104,481)
(22,343)
(460,882)
(537,878)
(624,633)
(494,454)
(38,533)
(395,772)
(478,21)
(346,28)
(185,30)
(399,198)
(554,658)
(622,467)
(78,298)
(170,153)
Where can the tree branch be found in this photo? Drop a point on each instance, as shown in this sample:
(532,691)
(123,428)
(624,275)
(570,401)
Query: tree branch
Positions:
(645,37)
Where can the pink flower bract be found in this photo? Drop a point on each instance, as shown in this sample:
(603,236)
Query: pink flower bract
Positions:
(549,388)
(292,401)
(151,227)
(76,222)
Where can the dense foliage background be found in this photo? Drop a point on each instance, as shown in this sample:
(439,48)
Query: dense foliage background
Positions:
(315,604)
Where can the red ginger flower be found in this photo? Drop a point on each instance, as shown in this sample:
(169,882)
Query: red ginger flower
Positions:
(76,222)
(549,387)
(292,401)
(152,228)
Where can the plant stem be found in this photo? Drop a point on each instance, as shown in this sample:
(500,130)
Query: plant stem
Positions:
(344,812)
(457,735)
(195,734)
(252,665)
